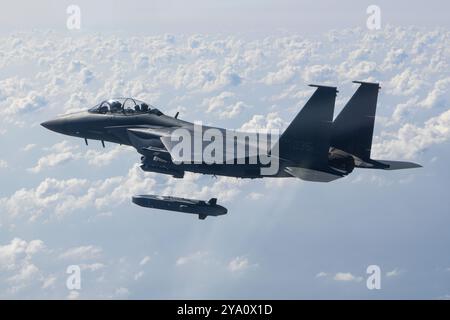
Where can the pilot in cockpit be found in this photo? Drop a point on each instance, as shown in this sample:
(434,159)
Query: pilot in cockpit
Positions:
(115,106)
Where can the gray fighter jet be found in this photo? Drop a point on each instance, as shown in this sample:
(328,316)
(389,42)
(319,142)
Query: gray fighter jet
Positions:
(312,148)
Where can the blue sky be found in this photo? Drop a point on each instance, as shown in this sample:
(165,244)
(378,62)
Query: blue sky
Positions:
(62,203)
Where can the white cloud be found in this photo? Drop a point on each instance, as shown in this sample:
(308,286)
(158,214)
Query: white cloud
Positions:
(30,103)
(318,74)
(63,152)
(73,295)
(17,252)
(439,96)
(145,260)
(93,266)
(283,76)
(410,139)
(82,253)
(49,282)
(261,123)
(346,276)
(58,198)
(3,164)
(138,275)
(393,273)
(17,263)
(240,264)
(121,293)
(29,147)
(195,257)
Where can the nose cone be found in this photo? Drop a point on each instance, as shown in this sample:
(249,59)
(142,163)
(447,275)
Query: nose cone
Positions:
(56,125)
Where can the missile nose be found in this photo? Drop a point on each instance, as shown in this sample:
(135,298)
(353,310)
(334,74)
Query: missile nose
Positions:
(54,125)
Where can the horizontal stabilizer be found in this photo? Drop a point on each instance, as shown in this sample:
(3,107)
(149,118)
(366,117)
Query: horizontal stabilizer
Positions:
(394,165)
(313,175)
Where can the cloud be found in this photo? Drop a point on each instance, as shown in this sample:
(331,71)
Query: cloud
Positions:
(410,140)
(3,164)
(17,252)
(439,96)
(223,105)
(198,256)
(82,253)
(261,123)
(240,264)
(393,273)
(93,266)
(62,153)
(346,277)
(121,293)
(73,295)
(49,282)
(30,103)
(29,147)
(317,74)
(145,260)
(283,76)
(17,265)
(57,198)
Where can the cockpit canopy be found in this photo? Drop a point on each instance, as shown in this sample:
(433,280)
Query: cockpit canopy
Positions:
(126,106)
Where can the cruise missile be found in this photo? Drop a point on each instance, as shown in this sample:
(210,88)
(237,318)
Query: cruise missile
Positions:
(200,207)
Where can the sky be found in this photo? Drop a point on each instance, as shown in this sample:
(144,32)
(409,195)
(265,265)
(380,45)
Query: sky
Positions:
(236,65)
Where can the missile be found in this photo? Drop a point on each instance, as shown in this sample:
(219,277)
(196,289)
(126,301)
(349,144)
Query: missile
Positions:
(200,207)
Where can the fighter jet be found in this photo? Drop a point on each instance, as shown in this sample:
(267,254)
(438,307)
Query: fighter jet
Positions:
(313,147)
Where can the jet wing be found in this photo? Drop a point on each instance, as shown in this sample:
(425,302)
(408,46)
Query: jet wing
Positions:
(231,147)
(147,139)
(183,146)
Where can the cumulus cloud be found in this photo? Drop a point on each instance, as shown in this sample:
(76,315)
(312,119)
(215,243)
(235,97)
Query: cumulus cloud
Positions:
(17,265)
(58,198)
(261,123)
(29,103)
(62,153)
(439,96)
(410,139)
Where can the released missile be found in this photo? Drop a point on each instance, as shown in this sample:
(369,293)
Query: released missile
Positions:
(200,207)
